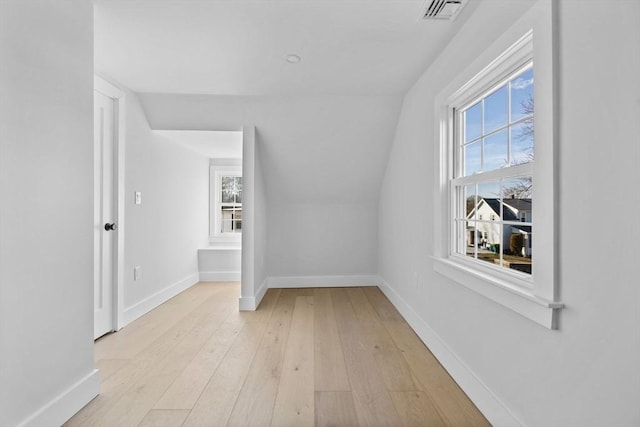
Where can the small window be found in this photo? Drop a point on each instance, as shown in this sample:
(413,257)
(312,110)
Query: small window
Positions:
(225,201)
(230,204)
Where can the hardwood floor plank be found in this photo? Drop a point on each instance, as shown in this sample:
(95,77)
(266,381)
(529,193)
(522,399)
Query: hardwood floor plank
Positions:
(361,307)
(187,388)
(265,309)
(216,402)
(108,367)
(164,418)
(381,304)
(372,401)
(295,400)
(395,370)
(416,409)
(335,409)
(254,406)
(452,403)
(330,370)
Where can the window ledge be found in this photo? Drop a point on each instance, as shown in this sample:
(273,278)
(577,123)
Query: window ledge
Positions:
(221,248)
(521,300)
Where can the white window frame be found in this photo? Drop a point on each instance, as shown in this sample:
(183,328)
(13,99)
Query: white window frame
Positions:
(217,169)
(536,296)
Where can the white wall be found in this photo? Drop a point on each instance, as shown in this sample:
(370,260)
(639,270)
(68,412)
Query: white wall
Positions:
(261,229)
(219,264)
(162,234)
(46,211)
(586,373)
(318,239)
(252,287)
(322,160)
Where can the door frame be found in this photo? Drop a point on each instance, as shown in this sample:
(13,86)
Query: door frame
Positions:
(119,101)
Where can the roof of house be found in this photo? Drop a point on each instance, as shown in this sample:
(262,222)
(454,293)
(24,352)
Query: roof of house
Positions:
(508,214)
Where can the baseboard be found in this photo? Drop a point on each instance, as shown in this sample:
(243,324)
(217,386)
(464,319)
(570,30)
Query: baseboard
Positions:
(488,403)
(146,305)
(252,303)
(219,276)
(66,404)
(323,281)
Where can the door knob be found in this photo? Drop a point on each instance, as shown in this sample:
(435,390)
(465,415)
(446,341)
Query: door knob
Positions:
(111,227)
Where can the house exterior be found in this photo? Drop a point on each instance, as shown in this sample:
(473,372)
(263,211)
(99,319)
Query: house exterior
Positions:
(490,228)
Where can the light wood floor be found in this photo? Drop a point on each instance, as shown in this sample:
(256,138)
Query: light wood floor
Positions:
(325,357)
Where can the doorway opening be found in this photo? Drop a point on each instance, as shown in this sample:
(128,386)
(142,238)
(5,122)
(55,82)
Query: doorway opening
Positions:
(220,260)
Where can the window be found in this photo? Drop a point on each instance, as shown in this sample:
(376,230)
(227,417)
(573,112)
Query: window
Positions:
(495,158)
(493,172)
(230,204)
(225,184)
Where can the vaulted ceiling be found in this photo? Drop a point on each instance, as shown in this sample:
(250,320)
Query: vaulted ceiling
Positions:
(325,124)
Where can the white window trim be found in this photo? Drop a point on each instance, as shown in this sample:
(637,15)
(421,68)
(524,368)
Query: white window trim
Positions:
(535,298)
(218,169)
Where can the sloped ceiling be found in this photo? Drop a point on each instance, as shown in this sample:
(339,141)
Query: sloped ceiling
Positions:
(327,149)
(325,125)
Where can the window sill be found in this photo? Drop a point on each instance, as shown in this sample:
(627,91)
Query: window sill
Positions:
(521,300)
(221,248)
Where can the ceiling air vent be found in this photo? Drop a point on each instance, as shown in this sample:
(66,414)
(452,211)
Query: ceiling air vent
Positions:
(443,9)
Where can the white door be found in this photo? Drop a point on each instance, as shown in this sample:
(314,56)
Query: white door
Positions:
(104,226)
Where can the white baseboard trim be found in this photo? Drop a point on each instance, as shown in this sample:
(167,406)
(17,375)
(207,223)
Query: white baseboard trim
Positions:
(66,404)
(323,281)
(146,305)
(252,303)
(219,276)
(488,403)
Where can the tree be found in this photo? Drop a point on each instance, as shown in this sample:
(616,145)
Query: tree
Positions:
(523,187)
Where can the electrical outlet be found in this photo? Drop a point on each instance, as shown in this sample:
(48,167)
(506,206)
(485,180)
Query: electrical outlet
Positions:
(138,198)
(137,272)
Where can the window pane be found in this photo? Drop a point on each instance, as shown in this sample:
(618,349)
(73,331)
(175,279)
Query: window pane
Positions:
(470,238)
(473,122)
(490,228)
(231,189)
(522,95)
(238,183)
(516,193)
(459,244)
(470,201)
(495,151)
(522,142)
(472,158)
(495,110)
(489,242)
(489,191)
(231,226)
(518,255)
(231,219)
(518,207)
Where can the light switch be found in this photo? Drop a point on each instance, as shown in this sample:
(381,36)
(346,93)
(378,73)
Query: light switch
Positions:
(138,198)
(137,272)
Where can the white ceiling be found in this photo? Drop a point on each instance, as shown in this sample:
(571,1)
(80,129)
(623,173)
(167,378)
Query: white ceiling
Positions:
(239,47)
